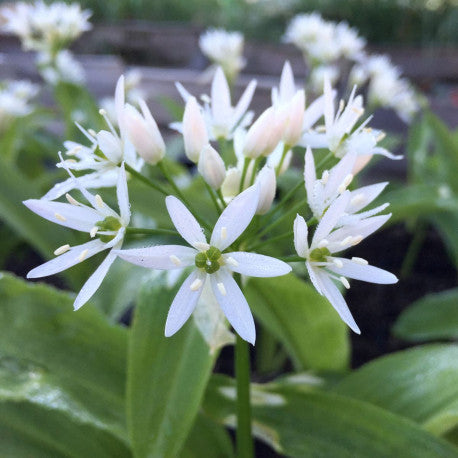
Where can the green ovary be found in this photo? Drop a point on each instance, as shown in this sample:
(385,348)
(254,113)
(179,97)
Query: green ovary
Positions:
(209,260)
(109,224)
(319,255)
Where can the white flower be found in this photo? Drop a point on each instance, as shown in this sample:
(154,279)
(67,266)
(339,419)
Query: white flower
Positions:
(103,157)
(211,167)
(320,73)
(195,135)
(224,49)
(104,225)
(324,268)
(220,116)
(210,262)
(321,193)
(267,187)
(351,45)
(60,67)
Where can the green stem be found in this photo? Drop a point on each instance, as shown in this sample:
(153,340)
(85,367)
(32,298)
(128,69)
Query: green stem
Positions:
(287,196)
(221,198)
(255,168)
(280,219)
(212,196)
(324,160)
(246,163)
(413,250)
(286,148)
(145,231)
(270,240)
(292,258)
(146,181)
(244,437)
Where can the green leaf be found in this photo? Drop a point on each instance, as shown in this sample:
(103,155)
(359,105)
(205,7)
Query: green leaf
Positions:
(29,431)
(433,317)
(297,423)
(72,362)
(421,384)
(305,322)
(446,224)
(166,376)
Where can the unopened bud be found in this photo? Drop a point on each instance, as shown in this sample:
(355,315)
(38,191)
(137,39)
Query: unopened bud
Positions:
(194,130)
(262,137)
(267,187)
(292,131)
(144,133)
(211,167)
(231,184)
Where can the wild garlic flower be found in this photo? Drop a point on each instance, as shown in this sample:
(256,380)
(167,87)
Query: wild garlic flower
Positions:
(43,27)
(318,75)
(104,155)
(105,227)
(60,67)
(322,192)
(324,268)
(15,100)
(224,49)
(221,118)
(350,44)
(210,262)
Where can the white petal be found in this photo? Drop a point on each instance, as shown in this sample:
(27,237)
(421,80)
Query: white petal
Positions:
(123,195)
(314,140)
(300,236)
(336,299)
(313,277)
(309,173)
(110,146)
(386,153)
(368,194)
(119,103)
(328,104)
(184,303)
(235,218)
(257,265)
(330,218)
(287,87)
(185,94)
(313,113)
(244,102)
(338,174)
(68,259)
(362,272)
(94,281)
(162,257)
(234,305)
(221,98)
(72,216)
(184,221)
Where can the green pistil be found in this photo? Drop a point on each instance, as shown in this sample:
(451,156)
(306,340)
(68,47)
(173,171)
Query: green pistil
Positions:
(209,260)
(109,224)
(319,255)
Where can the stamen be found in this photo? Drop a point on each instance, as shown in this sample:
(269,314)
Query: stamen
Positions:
(360,261)
(341,105)
(346,241)
(92,133)
(320,129)
(74,150)
(358,111)
(357,240)
(99,201)
(325,177)
(71,200)
(343,186)
(230,260)
(337,262)
(223,233)
(60,217)
(175,260)
(358,199)
(368,130)
(83,255)
(70,161)
(221,288)
(93,231)
(202,246)
(344,282)
(102,112)
(380,136)
(62,249)
(323,243)
(196,284)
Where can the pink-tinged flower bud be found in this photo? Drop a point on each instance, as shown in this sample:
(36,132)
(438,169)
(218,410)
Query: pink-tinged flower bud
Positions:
(144,133)
(231,185)
(268,185)
(211,167)
(294,118)
(195,134)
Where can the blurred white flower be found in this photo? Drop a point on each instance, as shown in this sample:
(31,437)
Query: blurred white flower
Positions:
(224,48)
(211,167)
(325,269)
(319,74)
(350,44)
(60,67)
(195,134)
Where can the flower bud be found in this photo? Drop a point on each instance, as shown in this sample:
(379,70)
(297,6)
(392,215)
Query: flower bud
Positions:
(295,116)
(231,184)
(194,130)
(144,133)
(268,185)
(258,139)
(211,167)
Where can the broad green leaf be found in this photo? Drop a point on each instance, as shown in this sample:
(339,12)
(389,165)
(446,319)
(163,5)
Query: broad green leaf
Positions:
(446,224)
(73,362)
(421,384)
(305,322)
(29,431)
(297,423)
(433,317)
(166,376)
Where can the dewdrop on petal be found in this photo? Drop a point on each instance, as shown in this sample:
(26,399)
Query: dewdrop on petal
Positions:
(211,167)
(144,133)
(194,130)
(267,187)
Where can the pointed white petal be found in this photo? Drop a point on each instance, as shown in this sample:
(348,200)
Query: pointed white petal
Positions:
(72,216)
(338,174)
(334,296)
(68,259)
(309,174)
(386,153)
(184,303)
(362,272)
(256,265)
(244,102)
(313,113)
(221,98)
(94,281)
(314,140)
(287,87)
(330,218)
(300,236)
(328,104)
(184,221)
(313,277)
(162,257)
(123,195)
(367,194)
(185,94)
(119,103)
(235,218)
(234,305)
(110,146)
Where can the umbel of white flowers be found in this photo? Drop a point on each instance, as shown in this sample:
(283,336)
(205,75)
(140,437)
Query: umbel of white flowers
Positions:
(211,262)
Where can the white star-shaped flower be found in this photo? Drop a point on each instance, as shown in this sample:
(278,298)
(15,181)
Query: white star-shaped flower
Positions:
(324,268)
(211,262)
(105,227)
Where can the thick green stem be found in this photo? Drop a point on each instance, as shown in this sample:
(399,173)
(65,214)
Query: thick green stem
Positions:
(245,447)
(145,231)
(146,181)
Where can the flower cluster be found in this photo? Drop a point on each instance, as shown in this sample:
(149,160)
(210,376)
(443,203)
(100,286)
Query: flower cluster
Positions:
(239,158)
(49,30)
